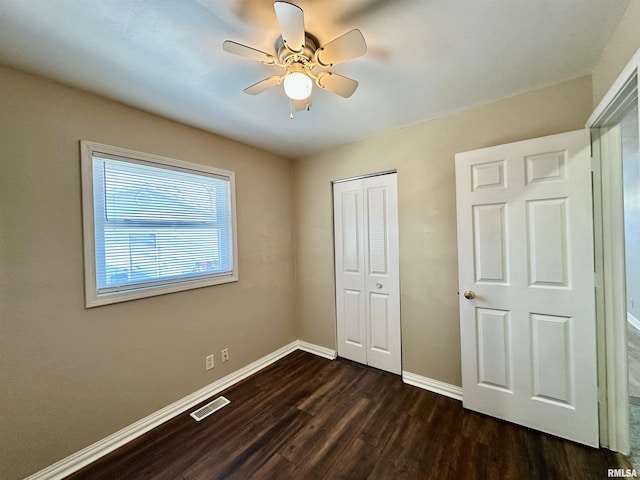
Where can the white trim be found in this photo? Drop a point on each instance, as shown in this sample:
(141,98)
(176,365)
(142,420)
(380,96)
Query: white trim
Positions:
(367,175)
(614,289)
(633,321)
(436,386)
(612,307)
(317,350)
(92,298)
(93,452)
(611,97)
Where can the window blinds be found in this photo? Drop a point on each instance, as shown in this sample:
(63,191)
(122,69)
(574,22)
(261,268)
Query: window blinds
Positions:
(158,224)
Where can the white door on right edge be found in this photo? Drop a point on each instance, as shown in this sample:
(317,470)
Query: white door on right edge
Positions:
(525,249)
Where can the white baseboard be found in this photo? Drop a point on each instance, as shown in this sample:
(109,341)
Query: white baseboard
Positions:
(90,454)
(436,386)
(633,321)
(317,350)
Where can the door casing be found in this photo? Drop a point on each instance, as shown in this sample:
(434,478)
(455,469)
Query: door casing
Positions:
(610,261)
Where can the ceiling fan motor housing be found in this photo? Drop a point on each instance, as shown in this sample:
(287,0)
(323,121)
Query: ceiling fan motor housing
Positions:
(285,55)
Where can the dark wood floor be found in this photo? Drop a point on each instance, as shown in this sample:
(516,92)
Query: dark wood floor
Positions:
(305,417)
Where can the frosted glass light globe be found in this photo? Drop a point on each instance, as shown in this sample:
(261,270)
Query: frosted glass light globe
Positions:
(297,86)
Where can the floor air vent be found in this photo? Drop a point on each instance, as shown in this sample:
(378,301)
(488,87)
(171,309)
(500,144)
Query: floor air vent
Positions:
(209,408)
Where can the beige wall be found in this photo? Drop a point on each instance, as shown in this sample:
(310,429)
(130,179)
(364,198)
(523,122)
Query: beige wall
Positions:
(71,376)
(424,157)
(624,42)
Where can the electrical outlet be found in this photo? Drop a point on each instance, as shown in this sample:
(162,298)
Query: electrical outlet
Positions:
(225,354)
(209,362)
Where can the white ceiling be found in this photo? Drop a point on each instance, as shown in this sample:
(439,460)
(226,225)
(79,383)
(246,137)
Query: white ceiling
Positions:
(426,58)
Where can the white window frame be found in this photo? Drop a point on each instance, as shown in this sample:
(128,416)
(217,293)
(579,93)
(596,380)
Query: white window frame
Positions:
(92,298)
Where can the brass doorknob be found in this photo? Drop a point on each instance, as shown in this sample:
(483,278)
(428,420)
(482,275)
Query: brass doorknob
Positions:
(469,294)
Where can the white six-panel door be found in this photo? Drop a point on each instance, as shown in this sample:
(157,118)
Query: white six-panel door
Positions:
(367,271)
(525,249)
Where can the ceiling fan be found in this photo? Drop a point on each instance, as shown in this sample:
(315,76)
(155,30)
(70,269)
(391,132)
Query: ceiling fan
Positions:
(299,54)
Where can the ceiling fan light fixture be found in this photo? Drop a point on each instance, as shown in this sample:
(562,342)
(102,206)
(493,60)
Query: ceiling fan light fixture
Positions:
(297,86)
(299,63)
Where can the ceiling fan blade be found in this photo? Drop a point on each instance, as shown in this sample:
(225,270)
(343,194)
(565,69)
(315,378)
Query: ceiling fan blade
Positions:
(248,52)
(348,46)
(337,84)
(291,21)
(262,85)
(304,104)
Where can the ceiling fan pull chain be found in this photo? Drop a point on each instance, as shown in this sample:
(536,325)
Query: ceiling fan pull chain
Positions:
(290,109)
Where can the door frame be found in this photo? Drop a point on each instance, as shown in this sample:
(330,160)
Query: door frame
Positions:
(366,175)
(610,277)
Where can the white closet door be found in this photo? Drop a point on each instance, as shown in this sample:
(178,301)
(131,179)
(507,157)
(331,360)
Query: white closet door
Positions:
(350,270)
(382,279)
(525,249)
(367,271)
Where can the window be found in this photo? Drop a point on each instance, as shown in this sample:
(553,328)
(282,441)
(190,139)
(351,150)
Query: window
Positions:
(154,225)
